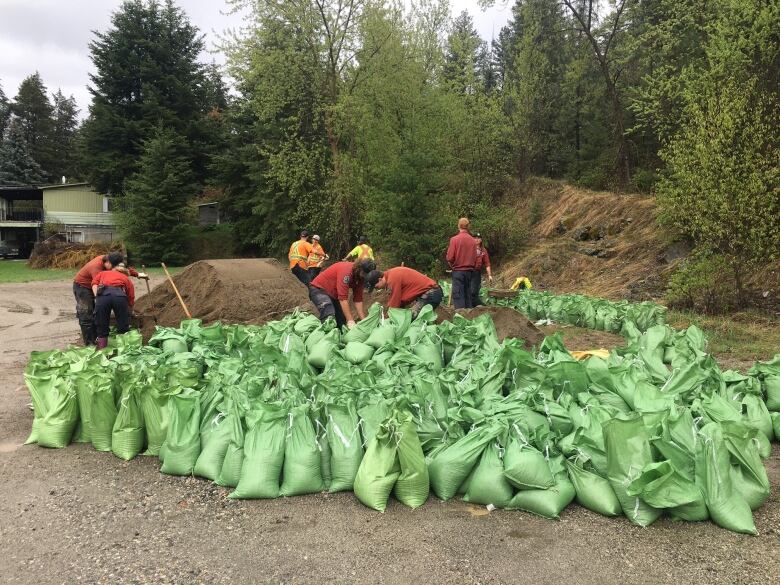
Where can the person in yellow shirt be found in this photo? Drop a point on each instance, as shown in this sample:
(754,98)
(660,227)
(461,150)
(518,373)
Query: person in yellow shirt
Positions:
(362,251)
(317,257)
(299,258)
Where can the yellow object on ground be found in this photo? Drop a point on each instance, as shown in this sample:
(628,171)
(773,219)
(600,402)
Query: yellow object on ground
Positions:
(521,283)
(585,354)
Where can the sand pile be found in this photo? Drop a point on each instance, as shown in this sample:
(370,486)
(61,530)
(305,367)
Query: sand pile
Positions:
(231,291)
(508,322)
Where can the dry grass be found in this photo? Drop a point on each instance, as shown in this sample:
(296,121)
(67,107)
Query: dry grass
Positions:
(64,255)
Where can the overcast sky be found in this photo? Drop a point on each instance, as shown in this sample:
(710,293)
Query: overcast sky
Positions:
(51,37)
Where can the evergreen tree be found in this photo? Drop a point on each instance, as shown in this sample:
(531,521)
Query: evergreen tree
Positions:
(462,57)
(34,110)
(154,217)
(147,73)
(63,139)
(5,112)
(17,166)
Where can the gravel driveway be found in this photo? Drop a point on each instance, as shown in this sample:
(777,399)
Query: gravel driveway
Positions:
(76,515)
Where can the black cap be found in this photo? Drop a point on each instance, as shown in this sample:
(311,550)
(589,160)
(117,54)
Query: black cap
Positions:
(362,240)
(304,233)
(115,258)
(372,278)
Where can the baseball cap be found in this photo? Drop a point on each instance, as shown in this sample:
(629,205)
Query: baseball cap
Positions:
(372,278)
(315,237)
(304,233)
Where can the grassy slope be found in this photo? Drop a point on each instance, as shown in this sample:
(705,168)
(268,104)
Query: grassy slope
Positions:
(18,271)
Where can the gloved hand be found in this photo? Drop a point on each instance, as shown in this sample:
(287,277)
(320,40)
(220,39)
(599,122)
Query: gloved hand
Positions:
(350,324)
(490,279)
(143,275)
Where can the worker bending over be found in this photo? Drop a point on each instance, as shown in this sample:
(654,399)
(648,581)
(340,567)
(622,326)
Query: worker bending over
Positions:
(462,258)
(299,257)
(360,252)
(115,292)
(317,257)
(330,291)
(85,298)
(407,287)
(483,261)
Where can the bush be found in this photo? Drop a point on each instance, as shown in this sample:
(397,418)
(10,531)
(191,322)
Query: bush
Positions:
(644,180)
(703,284)
(212,242)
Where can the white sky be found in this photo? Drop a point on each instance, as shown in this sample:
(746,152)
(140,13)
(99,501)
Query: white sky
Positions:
(51,37)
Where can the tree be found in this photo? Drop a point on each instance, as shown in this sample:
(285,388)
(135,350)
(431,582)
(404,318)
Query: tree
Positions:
(462,58)
(17,166)
(147,74)
(34,111)
(65,159)
(154,218)
(5,112)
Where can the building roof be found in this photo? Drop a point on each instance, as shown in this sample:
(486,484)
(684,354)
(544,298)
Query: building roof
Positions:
(64,185)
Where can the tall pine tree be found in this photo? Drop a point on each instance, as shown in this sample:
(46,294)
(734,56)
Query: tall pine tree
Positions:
(147,74)
(34,110)
(63,139)
(5,112)
(17,166)
(153,218)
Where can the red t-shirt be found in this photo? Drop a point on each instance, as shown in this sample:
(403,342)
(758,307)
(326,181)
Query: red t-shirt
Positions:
(336,280)
(90,269)
(117,279)
(405,285)
(483,259)
(462,253)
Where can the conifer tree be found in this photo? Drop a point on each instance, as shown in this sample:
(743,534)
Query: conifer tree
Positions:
(17,166)
(34,110)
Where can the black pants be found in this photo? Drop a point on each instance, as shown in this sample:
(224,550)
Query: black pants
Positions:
(432,297)
(327,306)
(85,312)
(112,299)
(461,289)
(301,274)
(476,284)
(314,272)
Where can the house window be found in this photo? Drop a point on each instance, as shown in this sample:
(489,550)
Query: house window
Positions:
(76,237)
(108,205)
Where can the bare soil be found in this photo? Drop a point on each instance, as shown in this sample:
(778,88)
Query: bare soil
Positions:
(508,322)
(76,515)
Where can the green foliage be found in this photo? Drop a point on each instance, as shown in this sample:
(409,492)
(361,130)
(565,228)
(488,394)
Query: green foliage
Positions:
(17,166)
(64,148)
(33,109)
(212,242)
(5,112)
(701,284)
(154,219)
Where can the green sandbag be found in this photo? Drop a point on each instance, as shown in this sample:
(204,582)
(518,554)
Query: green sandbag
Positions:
(771,386)
(40,388)
(58,423)
(381,336)
(487,484)
(80,373)
(726,505)
(320,352)
(302,459)
(413,485)
(102,409)
(757,416)
(230,474)
(628,451)
(429,351)
(547,503)
(362,330)
(215,440)
(357,353)
(346,451)
(379,469)
(593,491)
(661,486)
(775,422)
(748,473)
(154,407)
(372,415)
(324,447)
(449,467)
(526,467)
(127,437)
(182,443)
(263,453)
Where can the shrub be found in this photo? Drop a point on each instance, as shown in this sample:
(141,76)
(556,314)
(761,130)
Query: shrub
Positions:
(703,284)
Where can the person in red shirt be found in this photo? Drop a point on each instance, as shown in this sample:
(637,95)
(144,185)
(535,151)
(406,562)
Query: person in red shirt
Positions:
(329,291)
(462,258)
(82,291)
(407,287)
(113,292)
(483,261)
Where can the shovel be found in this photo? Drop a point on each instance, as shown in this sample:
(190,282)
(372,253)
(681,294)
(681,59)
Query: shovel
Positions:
(149,293)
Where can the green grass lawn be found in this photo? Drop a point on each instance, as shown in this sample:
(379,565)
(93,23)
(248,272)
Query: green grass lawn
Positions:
(18,271)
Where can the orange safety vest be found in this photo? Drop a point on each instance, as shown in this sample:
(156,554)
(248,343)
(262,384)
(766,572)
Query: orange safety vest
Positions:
(298,256)
(316,256)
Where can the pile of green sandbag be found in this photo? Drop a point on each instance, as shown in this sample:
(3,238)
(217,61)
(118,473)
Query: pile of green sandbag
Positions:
(584,311)
(396,407)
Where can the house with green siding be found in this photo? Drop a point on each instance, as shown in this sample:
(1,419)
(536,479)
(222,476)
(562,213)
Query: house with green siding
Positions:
(75,210)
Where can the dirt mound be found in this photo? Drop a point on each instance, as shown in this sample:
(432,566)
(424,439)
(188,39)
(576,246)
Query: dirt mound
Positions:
(231,291)
(508,322)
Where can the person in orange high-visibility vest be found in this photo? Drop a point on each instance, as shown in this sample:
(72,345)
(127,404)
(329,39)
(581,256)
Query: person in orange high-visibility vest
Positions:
(317,257)
(299,258)
(360,252)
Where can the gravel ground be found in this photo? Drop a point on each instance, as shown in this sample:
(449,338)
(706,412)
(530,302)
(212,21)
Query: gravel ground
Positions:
(76,515)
